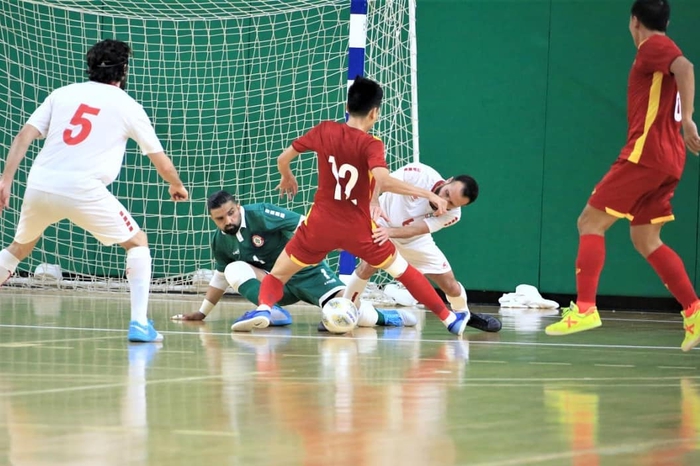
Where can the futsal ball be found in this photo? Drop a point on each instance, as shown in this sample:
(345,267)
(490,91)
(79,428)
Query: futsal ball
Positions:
(340,315)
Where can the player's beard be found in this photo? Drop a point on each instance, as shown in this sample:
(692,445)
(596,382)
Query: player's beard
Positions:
(232,229)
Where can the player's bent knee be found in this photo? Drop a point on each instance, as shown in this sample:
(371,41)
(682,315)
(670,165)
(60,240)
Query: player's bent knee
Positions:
(239,272)
(365,271)
(138,240)
(452,288)
(397,267)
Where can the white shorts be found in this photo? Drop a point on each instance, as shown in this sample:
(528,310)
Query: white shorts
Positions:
(103,216)
(422,253)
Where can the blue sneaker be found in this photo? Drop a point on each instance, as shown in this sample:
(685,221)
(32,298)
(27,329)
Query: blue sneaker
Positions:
(398,318)
(250,320)
(280,317)
(457,327)
(143,333)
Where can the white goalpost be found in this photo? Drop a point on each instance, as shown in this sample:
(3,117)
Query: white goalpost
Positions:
(228,85)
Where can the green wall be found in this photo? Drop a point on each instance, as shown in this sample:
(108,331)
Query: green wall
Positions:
(530,98)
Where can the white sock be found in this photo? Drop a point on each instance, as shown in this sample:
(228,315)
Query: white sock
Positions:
(368,315)
(138,272)
(451,318)
(8,265)
(459,303)
(354,288)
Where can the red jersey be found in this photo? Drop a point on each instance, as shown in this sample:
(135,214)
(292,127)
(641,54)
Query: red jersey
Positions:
(345,157)
(654,110)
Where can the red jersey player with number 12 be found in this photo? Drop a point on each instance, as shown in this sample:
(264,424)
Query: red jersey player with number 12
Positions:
(350,163)
(641,183)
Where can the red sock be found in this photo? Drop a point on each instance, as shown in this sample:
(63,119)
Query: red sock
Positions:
(420,288)
(669,267)
(589,264)
(271,290)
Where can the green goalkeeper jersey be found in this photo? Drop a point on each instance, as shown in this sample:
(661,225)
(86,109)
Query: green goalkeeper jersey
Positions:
(265,231)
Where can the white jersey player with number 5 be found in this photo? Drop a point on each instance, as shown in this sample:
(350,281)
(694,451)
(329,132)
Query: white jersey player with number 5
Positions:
(86,127)
(409,224)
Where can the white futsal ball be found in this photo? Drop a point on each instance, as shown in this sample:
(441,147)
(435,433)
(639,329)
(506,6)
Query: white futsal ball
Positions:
(340,315)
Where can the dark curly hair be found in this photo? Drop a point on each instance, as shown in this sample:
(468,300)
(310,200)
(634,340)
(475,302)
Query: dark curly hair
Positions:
(108,61)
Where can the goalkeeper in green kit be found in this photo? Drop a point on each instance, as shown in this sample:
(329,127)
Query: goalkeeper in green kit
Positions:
(245,246)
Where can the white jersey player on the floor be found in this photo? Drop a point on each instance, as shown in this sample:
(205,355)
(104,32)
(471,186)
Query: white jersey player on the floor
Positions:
(86,126)
(409,224)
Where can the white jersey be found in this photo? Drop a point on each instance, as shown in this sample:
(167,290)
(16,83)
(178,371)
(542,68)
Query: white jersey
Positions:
(86,126)
(405,210)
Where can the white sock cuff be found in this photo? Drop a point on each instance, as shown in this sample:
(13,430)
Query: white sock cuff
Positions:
(459,303)
(8,261)
(138,252)
(398,267)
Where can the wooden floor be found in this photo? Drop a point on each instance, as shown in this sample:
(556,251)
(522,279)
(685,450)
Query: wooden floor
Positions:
(74,392)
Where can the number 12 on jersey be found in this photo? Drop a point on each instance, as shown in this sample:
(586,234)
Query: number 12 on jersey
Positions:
(342,172)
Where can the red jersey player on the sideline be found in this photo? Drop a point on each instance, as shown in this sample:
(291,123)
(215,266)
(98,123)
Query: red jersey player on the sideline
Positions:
(641,183)
(350,163)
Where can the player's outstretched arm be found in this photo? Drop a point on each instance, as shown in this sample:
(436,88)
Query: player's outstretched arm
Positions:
(288,184)
(387,183)
(211,299)
(382,234)
(167,171)
(18,150)
(682,69)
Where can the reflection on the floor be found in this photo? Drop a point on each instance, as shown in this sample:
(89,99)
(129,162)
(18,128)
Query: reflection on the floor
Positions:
(73,391)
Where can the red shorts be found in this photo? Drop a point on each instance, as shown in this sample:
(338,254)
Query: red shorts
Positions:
(316,237)
(640,194)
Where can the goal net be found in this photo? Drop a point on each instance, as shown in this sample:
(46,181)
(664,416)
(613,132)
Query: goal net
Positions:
(228,86)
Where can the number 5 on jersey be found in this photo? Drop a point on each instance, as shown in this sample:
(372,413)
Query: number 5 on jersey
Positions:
(79,120)
(341,172)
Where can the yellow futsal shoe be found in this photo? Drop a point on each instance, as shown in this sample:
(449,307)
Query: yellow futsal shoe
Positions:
(692,329)
(573,322)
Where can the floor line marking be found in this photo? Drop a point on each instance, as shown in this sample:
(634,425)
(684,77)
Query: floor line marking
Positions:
(106,386)
(604,451)
(614,365)
(393,341)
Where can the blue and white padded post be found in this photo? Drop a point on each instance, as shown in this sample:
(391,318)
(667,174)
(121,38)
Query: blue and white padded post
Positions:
(356,66)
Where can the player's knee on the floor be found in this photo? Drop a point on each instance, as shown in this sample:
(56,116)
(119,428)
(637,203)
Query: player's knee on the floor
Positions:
(238,273)
(397,267)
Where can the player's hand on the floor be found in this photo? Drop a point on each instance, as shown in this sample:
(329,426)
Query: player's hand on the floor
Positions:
(376,212)
(178,192)
(288,185)
(5,193)
(439,203)
(380,235)
(690,136)
(191,317)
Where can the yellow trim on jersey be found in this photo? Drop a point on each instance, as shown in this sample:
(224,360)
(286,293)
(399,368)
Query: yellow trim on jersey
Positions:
(617,214)
(652,111)
(298,262)
(381,266)
(306,219)
(668,218)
